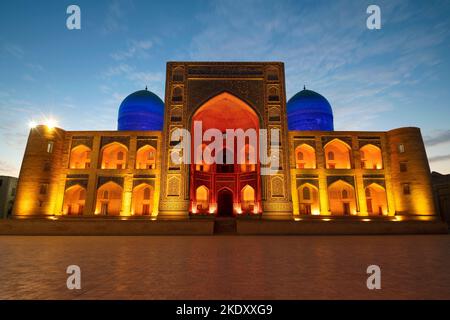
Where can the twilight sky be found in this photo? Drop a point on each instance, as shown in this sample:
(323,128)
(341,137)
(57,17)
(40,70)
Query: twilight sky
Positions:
(374,79)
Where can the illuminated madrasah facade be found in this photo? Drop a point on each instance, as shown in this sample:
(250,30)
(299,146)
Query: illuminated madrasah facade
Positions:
(321,173)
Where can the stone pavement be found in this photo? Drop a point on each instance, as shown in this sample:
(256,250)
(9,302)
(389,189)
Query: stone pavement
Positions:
(225,267)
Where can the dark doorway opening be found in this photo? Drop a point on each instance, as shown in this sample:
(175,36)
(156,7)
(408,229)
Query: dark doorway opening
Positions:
(346,208)
(225,203)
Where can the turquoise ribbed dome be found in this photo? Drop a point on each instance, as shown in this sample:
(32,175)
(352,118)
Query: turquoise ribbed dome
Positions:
(141,110)
(309,110)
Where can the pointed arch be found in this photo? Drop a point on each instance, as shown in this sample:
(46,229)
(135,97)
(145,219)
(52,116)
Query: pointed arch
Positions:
(225,202)
(114,156)
(273,93)
(178,74)
(272,74)
(177,94)
(80,157)
(274,114)
(337,154)
(308,199)
(142,200)
(376,200)
(109,199)
(74,200)
(202,199)
(237,108)
(305,157)
(221,112)
(146,157)
(371,157)
(342,198)
(248,199)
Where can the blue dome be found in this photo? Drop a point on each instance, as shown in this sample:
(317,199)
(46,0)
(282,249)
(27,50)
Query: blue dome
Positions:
(308,110)
(142,110)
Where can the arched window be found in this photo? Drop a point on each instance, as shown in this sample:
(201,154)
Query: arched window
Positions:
(274,94)
(308,199)
(376,201)
(272,74)
(202,199)
(305,157)
(177,94)
(74,200)
(80,157)
(142,201)
(146,157)
(274,114)
(371,157)
(248,199)
(178,74)
(114,156)
(331,155)
(306,193)
(341,198)
(338,155)
(109,199)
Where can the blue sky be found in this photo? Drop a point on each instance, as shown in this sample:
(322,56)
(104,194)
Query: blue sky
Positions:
(374,79)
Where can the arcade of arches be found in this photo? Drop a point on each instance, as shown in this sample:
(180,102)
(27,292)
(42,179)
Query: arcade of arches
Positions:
(342,199)
(109,200)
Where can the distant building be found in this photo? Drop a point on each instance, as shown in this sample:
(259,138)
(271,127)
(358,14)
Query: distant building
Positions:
(441,190)
(131,172)
(8,187)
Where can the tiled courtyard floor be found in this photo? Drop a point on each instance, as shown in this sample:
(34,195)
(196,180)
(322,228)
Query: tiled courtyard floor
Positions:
(225,267)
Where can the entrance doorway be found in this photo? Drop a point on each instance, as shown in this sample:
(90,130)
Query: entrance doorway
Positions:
(346,208)
(104,210)
(225,203)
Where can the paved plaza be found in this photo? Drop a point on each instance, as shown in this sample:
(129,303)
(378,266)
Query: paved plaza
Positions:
(225,267)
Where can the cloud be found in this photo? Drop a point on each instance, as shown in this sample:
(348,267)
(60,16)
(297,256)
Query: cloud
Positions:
(35,67)
(138,78)
(439,158)
(328,47)
(115,16)
(14,50)
(135,49)
(442,136)
(118,70)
